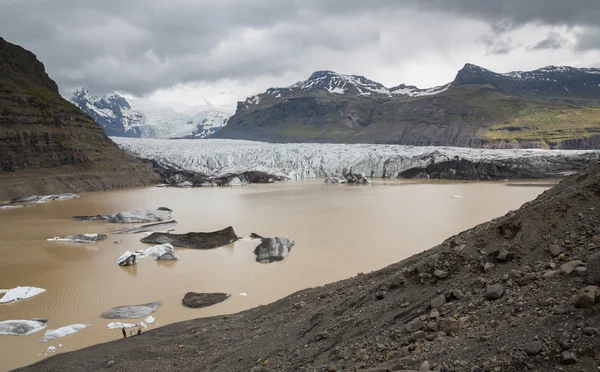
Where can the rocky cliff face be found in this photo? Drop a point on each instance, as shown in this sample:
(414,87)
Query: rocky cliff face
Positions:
(41,134)
(553,107)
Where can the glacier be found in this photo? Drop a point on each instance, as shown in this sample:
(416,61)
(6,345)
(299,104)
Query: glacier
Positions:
(216,157)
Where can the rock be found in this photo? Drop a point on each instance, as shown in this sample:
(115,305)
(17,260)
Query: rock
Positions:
(488,266)
(19,293)
(81,238)
(449,326)
(503,255)
(593,268)
(456,293)
(131,311)
(22,327)
(139,216)
(549,274)
(425,367)
(418,335)
(432,326)
(273,249)
(196,240)
(255,236)
(440,274)
(164,209)
(581,271)
(199,300)
(63,331)
(586,297)
(568,357)
(437,301)
(478,283)
(527,278)
(590,331)
(322,336)
(555,250)
(414,325)
(569,267)
(162,226)
(494,292)
(533,348)
(110,363)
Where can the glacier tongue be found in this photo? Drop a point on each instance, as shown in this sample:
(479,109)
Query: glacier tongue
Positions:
(310,160)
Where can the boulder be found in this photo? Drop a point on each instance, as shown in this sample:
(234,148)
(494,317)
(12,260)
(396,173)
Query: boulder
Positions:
(200,300)
(131,311)
(586,297)
(414,325)
(593,268)
(449,326)
(437,301)
(137,216)
(273,249)
(196,240)
(80,238)
(22,327)
(494,292)
(569,267)
(533,348)
(555,250)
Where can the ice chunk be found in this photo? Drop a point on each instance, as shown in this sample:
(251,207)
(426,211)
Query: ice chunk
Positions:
(243,294)
(131,311)
(150,319)
(63,331)
(80,238)
(19,293)
(22,327)
(51,349)
(161,252)
(119,325)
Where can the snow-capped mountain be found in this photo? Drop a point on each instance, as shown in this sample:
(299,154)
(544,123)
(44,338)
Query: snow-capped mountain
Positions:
(329,82)
(546,82)
(143,118)
(114,114)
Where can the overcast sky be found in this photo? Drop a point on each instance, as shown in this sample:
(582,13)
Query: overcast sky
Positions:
(221,51)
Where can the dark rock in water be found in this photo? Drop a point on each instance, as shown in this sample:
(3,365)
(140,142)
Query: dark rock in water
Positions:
(273,249)
(200,300)
(196,240)
(131,311)
(349,177)
(164,226)
(80,238)
(165,209)
(255,236)
(139,216)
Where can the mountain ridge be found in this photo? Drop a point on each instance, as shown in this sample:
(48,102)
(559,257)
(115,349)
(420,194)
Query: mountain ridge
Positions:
(48,145)
(138,118)
(551,107)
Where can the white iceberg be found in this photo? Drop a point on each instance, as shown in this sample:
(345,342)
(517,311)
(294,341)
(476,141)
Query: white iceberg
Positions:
(51,349)
(161,252)
(19,293)
(22,327)
(63,331)
(150,319)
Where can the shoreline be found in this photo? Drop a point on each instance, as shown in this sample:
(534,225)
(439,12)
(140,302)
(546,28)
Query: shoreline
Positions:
(371,320)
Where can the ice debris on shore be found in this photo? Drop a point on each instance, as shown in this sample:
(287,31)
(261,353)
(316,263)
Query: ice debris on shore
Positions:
(22,327)
(19,293)
(63,331)
(119,325)
(43,198)
(79,238)
(162,252)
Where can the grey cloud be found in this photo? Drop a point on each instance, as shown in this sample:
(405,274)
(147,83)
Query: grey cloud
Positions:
(497,46)
(552,42)
(138,46)
(589,39)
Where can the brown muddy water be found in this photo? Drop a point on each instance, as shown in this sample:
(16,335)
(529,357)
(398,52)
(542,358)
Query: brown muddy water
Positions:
(339,231)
